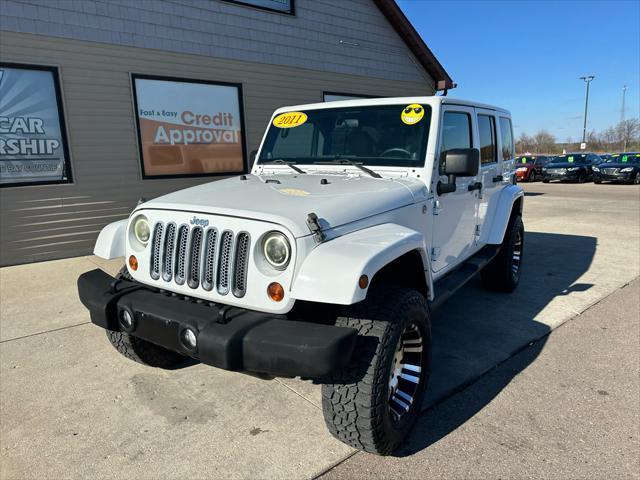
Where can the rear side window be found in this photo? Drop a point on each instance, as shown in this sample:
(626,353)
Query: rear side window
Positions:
(487,132)
(506,137)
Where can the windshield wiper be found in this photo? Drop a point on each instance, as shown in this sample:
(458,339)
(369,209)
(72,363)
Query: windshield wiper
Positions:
(345,161)
(280,161)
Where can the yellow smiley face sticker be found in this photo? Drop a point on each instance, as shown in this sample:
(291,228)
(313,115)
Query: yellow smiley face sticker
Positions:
(412,114)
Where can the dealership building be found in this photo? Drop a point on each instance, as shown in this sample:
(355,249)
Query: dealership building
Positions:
(103,102)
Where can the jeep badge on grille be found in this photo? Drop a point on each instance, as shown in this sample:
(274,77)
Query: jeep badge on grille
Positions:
(199,221)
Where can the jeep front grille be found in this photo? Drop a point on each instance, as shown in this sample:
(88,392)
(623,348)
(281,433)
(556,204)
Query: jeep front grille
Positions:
(200,257)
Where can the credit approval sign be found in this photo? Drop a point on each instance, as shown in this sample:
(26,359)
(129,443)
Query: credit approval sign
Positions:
(188,128)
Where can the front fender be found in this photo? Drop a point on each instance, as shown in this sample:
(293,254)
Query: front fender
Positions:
(330,273)
(111,242)
(508,197)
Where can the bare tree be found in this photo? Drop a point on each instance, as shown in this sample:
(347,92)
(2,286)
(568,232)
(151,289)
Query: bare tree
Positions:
(628,132)
(524,143)
(544,142)
(625,136)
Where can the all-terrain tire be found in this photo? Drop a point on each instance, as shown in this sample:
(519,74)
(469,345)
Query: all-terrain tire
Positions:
(356,401)
(140,350)
(503,272)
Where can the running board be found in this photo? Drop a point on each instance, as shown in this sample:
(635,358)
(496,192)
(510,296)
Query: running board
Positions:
(454,280)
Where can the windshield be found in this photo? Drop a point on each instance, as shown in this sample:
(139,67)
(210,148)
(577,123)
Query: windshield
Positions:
(625,158)
(525,160)
(571,158)
(383,135)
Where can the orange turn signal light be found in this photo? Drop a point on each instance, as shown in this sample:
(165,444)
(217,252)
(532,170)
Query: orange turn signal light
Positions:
(363,282)
(275,291)
(133,263)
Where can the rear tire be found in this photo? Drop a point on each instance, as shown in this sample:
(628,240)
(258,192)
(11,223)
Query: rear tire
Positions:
(140,350)
(503,272)
(373,403)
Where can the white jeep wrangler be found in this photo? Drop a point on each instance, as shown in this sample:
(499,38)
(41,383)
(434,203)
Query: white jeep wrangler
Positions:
(357,219)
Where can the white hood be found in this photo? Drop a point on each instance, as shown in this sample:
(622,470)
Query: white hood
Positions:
(288,199)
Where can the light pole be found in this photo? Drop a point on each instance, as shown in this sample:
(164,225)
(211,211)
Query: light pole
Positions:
(624,92)
(587,80)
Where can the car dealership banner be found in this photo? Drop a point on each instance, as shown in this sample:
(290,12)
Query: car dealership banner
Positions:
(32,140)
(188,128)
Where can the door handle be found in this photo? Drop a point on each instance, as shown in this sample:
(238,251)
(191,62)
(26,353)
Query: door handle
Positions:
(475,186)
(498,178)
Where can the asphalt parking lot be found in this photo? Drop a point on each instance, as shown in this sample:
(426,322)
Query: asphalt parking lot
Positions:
(71,407)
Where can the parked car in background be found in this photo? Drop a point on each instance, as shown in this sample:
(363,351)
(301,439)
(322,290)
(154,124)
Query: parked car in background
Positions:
(620,167)
(573,167)
(529,167)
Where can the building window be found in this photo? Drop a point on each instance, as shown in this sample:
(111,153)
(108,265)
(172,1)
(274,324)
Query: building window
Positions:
(188,128)
(283,6)
(33,137)
(506,137)
(487,133)
(334,97)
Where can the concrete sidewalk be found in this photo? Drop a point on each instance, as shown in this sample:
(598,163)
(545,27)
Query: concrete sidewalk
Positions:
(573,413)
(72,407)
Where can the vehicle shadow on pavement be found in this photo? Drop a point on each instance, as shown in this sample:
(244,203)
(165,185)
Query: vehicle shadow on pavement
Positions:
(476,330)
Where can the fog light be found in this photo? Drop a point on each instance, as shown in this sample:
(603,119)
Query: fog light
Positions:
(189,339)
(275,291)
(126,320)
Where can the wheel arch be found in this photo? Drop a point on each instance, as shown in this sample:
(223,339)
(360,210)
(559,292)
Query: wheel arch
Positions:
(111,242)
(510,203)
(331,272)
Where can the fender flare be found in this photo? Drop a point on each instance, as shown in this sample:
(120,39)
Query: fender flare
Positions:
(111,242)
(508,197)
(330,273)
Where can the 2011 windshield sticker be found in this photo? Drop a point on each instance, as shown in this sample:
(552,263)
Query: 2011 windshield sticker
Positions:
(290,120)
(412,114)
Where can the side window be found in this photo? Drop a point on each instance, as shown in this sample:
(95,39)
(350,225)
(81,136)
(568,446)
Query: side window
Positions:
(506,137)
(487,133)
(456,132)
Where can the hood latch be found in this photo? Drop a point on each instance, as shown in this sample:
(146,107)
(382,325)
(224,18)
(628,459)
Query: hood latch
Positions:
(314,226)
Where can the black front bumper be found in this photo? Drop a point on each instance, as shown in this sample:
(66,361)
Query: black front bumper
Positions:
(228,338)
(614,177)
(569,176)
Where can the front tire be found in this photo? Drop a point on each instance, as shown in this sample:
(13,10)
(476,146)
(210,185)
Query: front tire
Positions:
(545,180)
(503,272)
(140,350)
(373,403)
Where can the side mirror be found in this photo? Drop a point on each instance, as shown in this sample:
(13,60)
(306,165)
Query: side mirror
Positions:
(458,162)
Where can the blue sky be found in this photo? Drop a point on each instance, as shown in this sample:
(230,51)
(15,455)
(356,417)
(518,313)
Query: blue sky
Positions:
(527,56)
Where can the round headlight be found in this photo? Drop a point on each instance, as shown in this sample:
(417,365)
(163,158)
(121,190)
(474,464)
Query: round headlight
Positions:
(277,250)
(141,230)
